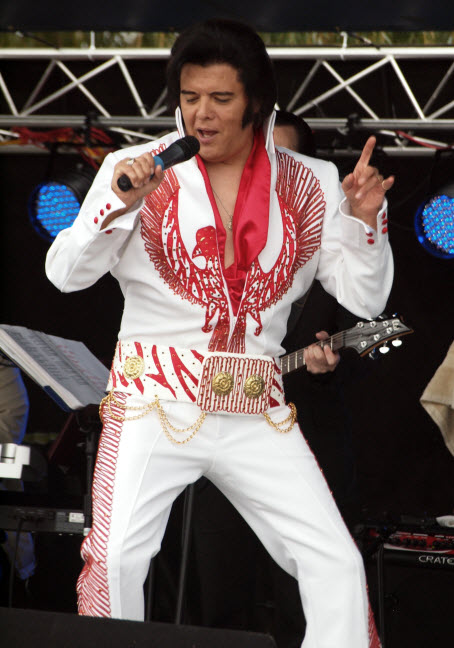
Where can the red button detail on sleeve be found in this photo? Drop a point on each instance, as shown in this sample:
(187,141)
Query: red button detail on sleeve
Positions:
(108,206)
(370,241)
(96,220)
(384,230)
(108,231)
(101,211)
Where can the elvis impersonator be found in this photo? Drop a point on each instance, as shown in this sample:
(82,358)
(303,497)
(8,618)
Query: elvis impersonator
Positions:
(210,255)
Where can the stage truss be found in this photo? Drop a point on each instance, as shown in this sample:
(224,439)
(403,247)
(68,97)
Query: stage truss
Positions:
(405,95)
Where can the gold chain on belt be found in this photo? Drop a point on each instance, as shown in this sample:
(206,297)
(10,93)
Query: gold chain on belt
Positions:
(144,410)
(167,425)
(291,418)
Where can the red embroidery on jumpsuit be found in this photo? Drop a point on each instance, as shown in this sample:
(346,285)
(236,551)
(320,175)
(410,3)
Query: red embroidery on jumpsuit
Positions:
(302,206)
(163,242)
(92,585)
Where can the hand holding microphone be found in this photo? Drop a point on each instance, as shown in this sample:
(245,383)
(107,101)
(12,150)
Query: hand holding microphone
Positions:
(135,178)
(180,151)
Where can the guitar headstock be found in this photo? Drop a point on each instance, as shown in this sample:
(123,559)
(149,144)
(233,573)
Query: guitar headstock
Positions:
(368,335)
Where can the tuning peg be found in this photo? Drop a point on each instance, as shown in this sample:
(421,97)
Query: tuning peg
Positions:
(383,316)
(397,342)
(384,348)
(373,354)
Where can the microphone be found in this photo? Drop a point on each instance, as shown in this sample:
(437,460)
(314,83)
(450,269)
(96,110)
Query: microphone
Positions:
(180,151)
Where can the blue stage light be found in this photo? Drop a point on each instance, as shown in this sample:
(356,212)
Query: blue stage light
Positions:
(54,205)
(434,224)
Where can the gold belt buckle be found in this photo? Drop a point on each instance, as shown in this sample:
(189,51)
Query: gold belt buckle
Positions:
(254,386)
(234,383)
(222,383)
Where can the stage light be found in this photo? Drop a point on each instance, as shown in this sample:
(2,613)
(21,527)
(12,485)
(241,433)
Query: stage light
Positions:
(434,223)
(54,205)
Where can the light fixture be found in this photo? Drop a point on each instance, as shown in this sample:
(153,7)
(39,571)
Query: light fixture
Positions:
(54,205)
(434,223)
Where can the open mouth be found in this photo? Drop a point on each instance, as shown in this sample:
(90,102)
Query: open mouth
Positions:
(205,135)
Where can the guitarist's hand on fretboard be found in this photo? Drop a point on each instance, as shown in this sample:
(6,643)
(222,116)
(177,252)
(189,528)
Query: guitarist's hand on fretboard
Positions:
(364,338)
(318,359)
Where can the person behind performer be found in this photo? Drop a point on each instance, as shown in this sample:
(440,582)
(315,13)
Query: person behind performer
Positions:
(14,410)
(292,132)
(210,256)
(318,393)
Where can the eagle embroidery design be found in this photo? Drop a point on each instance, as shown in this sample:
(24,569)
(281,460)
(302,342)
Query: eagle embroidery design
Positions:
(302,206)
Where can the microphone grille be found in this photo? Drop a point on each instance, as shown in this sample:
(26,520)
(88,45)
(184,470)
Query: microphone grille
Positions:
(189,145)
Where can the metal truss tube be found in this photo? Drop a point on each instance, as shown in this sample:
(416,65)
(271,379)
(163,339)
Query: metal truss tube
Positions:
(342,85)
(6,94)
(83,89)
(70,86)
(131,86)
(50,121)
(304,84)
(350,90)
(277,53)
(442,110)
(407,88)
(156,109)
(37,89)
(438,89)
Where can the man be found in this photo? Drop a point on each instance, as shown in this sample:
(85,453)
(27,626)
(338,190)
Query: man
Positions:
(210,256)
(292,132)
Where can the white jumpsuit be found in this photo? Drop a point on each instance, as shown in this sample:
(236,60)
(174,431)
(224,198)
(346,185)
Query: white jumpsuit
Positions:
(178,318)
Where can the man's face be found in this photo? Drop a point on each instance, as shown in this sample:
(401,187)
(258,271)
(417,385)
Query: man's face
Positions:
(213,102)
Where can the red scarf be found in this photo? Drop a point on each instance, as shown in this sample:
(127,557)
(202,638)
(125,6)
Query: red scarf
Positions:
(250,218)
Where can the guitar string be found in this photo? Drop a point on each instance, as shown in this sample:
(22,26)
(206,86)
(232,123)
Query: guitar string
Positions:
(300,352)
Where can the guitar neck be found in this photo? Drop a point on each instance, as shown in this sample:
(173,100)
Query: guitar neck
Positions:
(295,360)
(363,338)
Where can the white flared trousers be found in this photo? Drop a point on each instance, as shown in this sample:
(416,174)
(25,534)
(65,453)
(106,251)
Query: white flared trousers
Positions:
(272,479)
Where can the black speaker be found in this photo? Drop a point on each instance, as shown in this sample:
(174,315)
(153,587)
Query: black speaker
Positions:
(418,605)
(36,629)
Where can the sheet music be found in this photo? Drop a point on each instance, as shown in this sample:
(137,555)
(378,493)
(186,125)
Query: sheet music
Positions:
(66,366)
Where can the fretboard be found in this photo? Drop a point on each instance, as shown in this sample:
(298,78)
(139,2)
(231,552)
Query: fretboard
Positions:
(295,360)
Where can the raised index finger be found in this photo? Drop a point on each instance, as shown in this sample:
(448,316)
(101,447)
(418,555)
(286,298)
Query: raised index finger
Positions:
(367,152)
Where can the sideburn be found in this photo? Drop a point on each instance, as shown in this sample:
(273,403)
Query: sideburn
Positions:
(251,117)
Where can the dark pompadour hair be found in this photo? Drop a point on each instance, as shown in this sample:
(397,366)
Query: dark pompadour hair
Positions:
(226,41)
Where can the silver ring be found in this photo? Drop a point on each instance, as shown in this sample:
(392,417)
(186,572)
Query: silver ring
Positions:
(131,161)
(383,185)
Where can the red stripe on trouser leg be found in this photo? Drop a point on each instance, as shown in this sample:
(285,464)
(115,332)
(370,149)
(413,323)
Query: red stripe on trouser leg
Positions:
(92,586)
(374,641)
